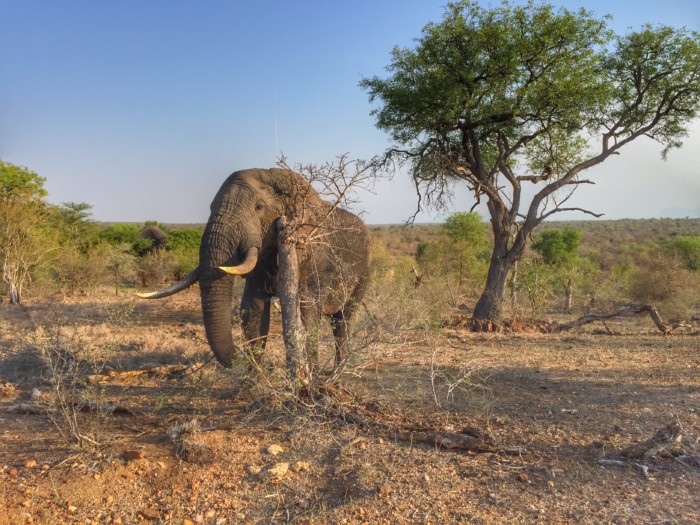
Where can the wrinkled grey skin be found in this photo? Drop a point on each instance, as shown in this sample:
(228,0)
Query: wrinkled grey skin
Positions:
(333,272)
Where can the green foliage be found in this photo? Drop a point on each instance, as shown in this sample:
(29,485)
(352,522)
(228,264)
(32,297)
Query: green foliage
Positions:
(75,226)
(125,234)
(20,184)
(687,247)
(558,246)
(461,254)
(467,228)
(183,244)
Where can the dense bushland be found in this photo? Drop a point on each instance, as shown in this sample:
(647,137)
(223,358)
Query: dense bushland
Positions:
(429,271)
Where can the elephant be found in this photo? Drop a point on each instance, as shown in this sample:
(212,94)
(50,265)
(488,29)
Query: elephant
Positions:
(240,239)
(157,237)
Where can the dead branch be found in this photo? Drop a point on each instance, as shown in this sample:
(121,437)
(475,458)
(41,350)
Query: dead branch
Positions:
(634,309)
(662,439)
(288,292)
(117,375)
(338,403)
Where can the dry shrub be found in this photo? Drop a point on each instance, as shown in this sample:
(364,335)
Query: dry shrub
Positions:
(74,407)
(664,282)
(186,437)
(76,272)
(156,268)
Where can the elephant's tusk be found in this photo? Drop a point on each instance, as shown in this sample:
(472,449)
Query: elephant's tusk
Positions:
(251,259)
(173,289)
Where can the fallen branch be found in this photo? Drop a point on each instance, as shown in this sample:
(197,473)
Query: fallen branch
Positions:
(116,375)
(340,404)
(634,309)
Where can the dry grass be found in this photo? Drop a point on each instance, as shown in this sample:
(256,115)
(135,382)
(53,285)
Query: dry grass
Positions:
(568,400)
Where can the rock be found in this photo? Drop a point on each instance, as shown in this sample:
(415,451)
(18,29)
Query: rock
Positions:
(199,518)
(45,466)
(148,514)
(276,472)
(523,478)
(30,464)
(72,509)
(274,450)
(384,490)
(253,470)
(188,522)
(133,455)
(162,465)
(300,466)
(109,500)
(13,472)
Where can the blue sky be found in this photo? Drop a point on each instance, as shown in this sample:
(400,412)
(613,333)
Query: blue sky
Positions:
(143,108)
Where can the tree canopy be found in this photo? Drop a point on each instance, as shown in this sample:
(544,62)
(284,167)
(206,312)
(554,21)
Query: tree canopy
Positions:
(504,97)
(558,246)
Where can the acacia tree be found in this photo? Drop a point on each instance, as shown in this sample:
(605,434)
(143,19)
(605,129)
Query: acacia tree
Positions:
(506,97)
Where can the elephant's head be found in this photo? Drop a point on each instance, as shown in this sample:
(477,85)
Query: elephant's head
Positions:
(239,237)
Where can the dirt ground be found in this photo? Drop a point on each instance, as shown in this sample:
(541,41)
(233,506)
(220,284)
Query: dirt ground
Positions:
(194,446)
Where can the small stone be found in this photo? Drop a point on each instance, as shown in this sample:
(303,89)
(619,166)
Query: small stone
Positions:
(210,514)
(274,450)
(384,490)
(30,464)
(221,521)
(45,466)
(199,518)
(132,455)
(300,466)
(277,471)
(26,503)
(13,472)
(162,465)
(110,500)
(523,478)
(72,509)
(253,470)
(188,522)
(96,476)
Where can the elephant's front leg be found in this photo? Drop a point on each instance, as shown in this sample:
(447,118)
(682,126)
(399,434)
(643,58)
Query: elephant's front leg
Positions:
(310,311)
(255,315)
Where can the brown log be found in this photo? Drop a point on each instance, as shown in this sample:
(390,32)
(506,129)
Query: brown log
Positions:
(634,309)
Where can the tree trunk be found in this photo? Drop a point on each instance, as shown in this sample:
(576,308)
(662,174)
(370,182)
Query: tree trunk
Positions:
(288,292)
(514,288)
(14,294)
(489,306)
(567,300)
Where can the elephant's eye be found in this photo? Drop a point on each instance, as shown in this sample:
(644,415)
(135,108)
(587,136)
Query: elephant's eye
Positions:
(259,206)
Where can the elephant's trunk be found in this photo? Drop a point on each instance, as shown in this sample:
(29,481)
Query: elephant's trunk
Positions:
(222,243)
(216,309)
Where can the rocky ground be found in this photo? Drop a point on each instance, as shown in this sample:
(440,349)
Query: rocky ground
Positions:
(198,444)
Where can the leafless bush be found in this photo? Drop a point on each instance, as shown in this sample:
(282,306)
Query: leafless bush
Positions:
(185,436)
(73,406)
